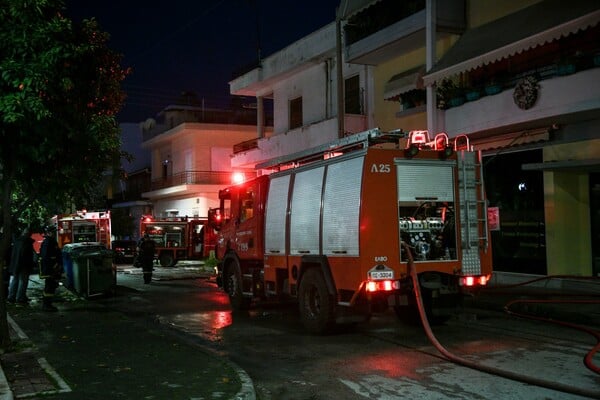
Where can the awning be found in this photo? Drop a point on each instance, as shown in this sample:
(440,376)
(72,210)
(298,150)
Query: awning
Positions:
(348,8)
(510,140)
(404,82)
(592,165)
(533,26)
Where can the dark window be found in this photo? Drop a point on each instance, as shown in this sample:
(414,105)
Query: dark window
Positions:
(247,205)
(352,95)
(296,113)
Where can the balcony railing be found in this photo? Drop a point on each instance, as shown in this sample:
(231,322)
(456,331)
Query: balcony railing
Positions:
(245,146)
(196,178)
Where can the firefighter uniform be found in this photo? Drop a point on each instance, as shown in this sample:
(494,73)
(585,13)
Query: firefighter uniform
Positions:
(50,268)
(146,250)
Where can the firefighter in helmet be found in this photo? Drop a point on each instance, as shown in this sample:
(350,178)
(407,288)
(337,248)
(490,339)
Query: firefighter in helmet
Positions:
(51,266)
(146,248)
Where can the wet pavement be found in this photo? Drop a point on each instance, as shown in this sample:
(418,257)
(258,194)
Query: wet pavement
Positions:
(92,351)
(175,339)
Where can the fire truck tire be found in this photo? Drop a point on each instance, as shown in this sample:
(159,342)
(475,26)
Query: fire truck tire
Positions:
(233,286)
(317,307)
(166,259)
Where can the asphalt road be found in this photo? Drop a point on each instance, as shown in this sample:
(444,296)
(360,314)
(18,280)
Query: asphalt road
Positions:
(381,359)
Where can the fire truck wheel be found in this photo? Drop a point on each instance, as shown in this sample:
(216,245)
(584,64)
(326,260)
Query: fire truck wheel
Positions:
(233,282)
(317,309)
(166,259)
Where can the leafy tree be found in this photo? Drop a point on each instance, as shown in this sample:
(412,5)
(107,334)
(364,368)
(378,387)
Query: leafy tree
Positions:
(60,89)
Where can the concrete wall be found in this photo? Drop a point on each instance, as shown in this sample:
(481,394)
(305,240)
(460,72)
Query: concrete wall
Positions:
(567,210)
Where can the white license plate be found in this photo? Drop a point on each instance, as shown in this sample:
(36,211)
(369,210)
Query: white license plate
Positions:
(382,274)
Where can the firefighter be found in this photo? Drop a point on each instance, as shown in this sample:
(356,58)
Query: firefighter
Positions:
(21,265)
(146,248)
(51,267)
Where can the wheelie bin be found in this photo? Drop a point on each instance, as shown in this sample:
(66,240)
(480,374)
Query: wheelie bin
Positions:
(93,270)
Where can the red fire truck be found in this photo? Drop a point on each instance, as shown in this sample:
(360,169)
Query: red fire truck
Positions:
(83,226)
(327,229)
(179,238)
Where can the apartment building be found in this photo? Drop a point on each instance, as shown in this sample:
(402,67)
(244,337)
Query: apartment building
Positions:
(518,77)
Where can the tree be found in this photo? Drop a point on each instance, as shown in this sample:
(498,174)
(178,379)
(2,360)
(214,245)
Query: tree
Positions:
(60,89)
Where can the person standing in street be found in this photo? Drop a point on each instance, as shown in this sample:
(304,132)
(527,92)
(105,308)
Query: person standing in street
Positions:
(51,267)
(21,266)
(146,248)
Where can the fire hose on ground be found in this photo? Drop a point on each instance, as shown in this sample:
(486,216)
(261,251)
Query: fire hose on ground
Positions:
(588,359)
(476,366)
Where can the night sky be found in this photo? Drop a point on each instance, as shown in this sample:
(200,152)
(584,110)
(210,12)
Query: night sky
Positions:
(182,46)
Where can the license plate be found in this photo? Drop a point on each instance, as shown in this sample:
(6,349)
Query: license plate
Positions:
(378,275)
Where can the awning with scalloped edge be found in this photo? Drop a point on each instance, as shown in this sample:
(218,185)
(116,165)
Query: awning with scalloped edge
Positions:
(404,82)
(348,8)
(536,25)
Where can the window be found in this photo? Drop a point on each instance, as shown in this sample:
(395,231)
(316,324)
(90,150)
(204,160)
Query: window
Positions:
(352,96)
(296,113)
(246,205)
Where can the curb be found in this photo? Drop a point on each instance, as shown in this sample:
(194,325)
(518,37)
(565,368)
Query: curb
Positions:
(5,391)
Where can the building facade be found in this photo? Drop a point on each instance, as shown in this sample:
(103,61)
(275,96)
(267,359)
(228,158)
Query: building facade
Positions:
(190,150)
(518,77)
(301,81)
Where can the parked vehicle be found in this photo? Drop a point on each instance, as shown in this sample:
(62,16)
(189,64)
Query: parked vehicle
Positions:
(327,228)
(125,251)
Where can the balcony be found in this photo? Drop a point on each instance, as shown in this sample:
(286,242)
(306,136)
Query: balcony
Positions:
(248,154)
(187,178)
(390,27)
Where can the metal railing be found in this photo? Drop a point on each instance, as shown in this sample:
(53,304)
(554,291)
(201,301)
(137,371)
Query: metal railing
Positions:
(196,178)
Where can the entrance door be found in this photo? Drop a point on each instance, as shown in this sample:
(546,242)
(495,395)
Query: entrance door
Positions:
(520,243)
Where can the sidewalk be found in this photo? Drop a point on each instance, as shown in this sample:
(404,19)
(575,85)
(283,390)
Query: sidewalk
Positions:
(86,350)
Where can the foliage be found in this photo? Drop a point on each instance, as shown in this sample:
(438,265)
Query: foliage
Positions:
(60,89)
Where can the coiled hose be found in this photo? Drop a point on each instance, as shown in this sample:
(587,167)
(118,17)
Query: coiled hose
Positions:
(480,367)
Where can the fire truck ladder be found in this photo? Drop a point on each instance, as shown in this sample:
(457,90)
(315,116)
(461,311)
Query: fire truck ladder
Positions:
(349,143)
(473,213)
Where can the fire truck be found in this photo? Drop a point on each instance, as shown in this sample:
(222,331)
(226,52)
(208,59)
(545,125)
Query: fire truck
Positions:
(178,238)
(334,228)
(83,226)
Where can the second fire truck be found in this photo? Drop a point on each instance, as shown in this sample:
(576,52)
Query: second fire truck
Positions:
(332,228)
(83,226)
(178,238)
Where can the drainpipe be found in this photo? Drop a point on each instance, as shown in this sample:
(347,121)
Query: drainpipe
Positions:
(260,117)
(340,74)
(430,47)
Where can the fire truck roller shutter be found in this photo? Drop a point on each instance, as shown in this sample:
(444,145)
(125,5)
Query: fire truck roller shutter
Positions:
(306,212)
(276,214)
(341,207)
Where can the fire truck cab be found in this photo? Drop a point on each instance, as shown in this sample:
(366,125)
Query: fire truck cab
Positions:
(178,238)
(333,226)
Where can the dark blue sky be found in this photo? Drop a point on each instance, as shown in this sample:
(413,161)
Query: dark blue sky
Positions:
(181,45)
